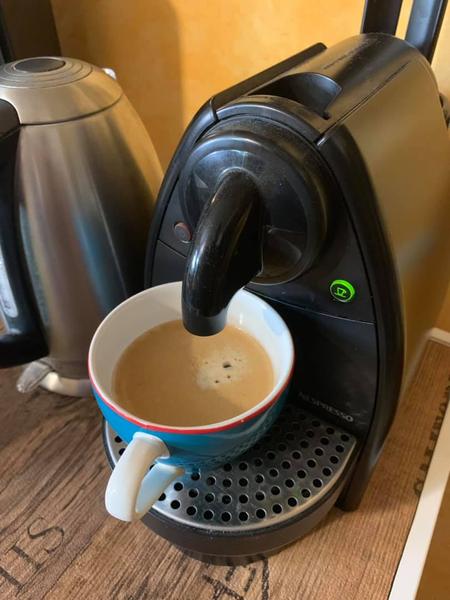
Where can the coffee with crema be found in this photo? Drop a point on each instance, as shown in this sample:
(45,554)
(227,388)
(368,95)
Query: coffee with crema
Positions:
(171,377)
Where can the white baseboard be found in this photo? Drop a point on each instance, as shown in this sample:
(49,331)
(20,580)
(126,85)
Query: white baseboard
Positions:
(440,335)
(409,572)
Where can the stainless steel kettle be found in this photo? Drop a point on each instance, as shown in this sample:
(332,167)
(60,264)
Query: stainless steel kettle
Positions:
(78,178)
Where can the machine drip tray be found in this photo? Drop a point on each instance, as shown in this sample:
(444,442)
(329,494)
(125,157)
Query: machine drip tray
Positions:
(261,501)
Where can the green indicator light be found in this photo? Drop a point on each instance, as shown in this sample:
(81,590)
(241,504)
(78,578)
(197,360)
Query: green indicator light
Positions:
(342,290)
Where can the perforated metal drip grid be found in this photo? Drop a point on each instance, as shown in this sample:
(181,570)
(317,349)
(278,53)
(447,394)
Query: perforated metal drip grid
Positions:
(284,474)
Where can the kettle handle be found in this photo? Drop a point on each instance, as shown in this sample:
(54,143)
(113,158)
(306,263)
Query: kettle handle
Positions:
(23,340)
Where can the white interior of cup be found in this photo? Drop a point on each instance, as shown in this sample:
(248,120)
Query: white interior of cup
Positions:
(160,304)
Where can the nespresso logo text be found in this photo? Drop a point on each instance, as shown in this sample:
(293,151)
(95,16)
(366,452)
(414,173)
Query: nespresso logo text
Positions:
(331,409)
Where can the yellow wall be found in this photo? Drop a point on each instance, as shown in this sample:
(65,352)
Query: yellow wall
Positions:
(171,55)
(444,318)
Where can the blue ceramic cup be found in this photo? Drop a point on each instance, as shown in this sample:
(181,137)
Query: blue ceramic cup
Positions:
(133,488)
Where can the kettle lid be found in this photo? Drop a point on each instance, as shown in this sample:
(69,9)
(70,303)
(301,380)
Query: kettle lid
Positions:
(51,89)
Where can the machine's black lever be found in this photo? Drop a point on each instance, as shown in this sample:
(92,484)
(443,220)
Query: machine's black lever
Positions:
(425,25)
(226,253)
(381,16)
(425,20)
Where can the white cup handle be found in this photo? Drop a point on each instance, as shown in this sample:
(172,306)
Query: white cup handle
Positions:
(132,489)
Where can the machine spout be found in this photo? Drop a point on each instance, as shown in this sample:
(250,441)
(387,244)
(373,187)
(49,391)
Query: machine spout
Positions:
(226,253)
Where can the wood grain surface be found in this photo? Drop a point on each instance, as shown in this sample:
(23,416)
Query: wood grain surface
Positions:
(57,542)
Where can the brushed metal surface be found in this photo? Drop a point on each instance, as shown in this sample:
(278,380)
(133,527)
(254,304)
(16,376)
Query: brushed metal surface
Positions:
(85,191)
(70,91)
(406,149)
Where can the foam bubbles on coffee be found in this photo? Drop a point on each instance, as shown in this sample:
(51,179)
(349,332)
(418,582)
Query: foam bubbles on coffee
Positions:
(171,377)
(223,367)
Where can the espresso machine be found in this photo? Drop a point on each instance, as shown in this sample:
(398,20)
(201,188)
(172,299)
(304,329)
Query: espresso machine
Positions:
(78,180)
(321,184)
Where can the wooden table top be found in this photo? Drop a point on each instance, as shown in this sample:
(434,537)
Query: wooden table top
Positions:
(57,541)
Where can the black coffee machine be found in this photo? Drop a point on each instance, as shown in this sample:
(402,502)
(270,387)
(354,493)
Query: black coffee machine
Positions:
(321,184)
